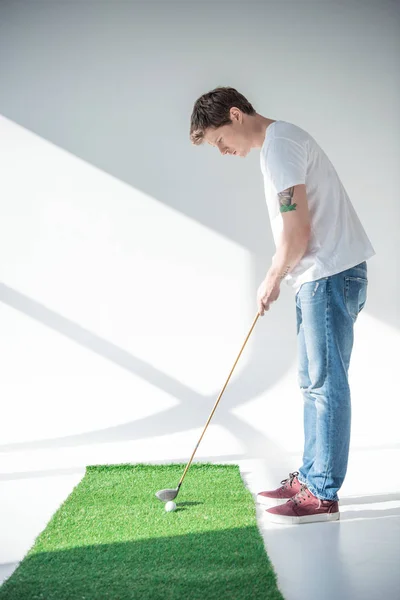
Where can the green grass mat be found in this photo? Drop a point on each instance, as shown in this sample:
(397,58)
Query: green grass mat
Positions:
(113,539)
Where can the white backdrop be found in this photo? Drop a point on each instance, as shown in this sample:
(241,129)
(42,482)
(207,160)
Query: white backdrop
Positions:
(130,259)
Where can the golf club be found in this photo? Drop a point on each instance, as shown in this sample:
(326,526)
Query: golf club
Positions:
(170,494)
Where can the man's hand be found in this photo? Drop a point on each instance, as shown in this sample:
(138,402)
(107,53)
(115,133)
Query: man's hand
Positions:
(268,292)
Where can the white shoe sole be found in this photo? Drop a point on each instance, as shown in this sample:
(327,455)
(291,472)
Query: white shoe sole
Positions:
(270,501)
(299,520)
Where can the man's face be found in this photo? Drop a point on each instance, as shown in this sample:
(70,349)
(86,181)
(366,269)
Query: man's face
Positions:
(231,138)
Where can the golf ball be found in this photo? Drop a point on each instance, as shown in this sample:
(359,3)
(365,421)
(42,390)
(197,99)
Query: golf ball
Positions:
(170,506)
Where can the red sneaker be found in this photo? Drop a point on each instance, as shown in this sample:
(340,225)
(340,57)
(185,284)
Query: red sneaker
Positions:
(290,487)
(304,508)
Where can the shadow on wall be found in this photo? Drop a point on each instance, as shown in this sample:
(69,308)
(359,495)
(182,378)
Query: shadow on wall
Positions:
(268,362)
(121,100)
(104,108)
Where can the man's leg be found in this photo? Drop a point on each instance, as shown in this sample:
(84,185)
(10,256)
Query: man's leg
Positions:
(329,308)
(310,413)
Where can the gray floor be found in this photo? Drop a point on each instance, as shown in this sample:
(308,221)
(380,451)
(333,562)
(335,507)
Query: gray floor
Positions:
(356,558)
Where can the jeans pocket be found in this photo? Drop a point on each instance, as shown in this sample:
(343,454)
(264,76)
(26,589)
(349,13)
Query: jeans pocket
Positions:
(355,295)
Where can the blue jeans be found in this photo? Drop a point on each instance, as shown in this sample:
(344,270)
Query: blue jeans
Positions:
(326,311)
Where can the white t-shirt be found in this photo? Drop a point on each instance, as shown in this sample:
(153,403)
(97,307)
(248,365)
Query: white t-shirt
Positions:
(290,156)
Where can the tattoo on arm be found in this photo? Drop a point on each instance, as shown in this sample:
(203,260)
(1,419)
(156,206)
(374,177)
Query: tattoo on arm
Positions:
(286,271)
(285,200)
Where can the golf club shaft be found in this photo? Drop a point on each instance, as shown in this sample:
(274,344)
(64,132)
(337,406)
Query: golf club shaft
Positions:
(218,399)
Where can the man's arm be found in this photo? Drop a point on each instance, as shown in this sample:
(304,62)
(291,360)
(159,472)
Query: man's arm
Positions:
(296,231)
(292,245)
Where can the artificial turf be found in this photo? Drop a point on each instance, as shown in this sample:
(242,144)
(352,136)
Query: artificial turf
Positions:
(113,539)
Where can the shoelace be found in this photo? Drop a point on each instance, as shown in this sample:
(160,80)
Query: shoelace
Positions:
(301,495)
(290,478)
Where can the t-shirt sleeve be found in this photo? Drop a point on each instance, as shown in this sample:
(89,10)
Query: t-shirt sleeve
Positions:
(287,163)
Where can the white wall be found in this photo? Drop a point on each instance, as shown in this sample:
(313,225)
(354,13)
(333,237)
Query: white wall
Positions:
(130,260)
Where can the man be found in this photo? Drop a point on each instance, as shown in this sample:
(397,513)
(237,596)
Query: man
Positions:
(321,251)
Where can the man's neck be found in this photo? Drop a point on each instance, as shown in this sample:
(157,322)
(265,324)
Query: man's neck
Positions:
(260,125)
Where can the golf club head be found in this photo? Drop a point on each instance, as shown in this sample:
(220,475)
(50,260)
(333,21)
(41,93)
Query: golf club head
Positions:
(166,495)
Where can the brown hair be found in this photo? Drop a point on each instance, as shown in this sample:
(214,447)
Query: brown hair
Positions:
(213,110)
